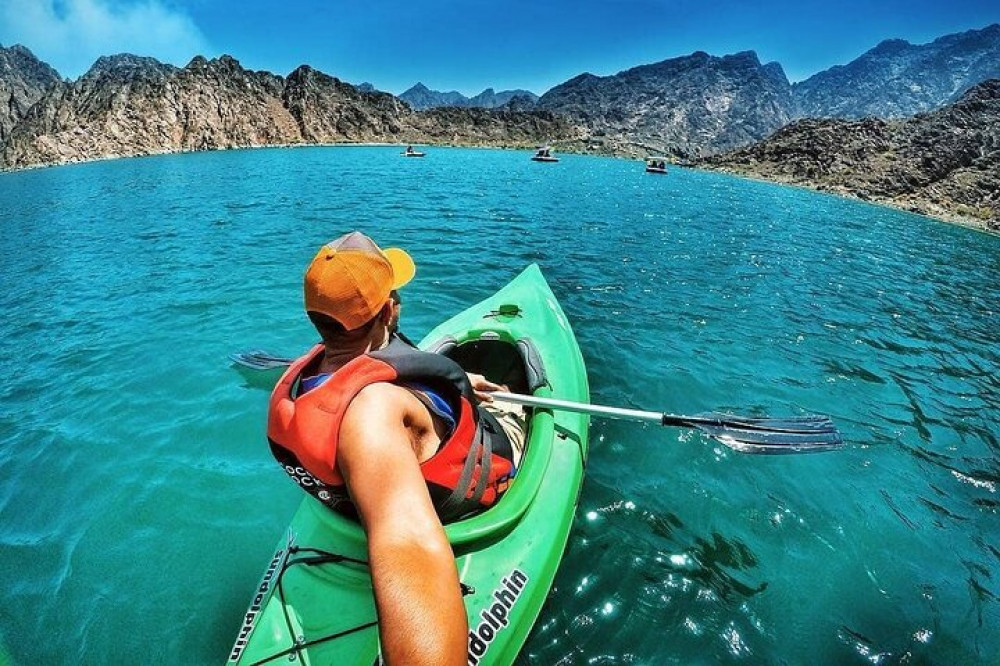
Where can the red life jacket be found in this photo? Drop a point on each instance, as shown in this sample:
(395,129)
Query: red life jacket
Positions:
(467,474)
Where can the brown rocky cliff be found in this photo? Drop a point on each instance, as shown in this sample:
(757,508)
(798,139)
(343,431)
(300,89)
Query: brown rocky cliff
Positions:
(328,110)
(23,80)
(496,127)
(126,105)
(694,105)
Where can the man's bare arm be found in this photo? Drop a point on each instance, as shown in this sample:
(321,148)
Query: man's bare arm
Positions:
(417,593)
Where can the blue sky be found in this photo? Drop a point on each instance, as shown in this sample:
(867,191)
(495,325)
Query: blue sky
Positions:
(473,44)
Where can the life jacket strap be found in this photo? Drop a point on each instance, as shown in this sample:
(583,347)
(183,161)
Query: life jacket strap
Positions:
(481,450)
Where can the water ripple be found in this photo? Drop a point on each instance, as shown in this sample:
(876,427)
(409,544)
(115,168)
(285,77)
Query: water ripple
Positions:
(132,452)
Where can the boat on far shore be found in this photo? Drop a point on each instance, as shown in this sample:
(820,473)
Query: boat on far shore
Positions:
(544,155)
(656,165)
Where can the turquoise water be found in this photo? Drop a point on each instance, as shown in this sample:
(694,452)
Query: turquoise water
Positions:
(139,504)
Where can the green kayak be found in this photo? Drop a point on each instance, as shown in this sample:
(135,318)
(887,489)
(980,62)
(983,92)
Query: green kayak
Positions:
(314,604)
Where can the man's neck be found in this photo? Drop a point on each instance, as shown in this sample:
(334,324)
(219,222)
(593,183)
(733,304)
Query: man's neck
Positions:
(337,356)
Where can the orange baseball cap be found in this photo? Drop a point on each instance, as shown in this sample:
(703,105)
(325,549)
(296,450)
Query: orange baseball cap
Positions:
(350,279)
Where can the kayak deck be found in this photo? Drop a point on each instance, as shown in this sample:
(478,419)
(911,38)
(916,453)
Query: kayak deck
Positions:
(316,606)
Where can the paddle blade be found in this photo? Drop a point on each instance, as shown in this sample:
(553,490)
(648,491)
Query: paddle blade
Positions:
(259,360)
(804,434)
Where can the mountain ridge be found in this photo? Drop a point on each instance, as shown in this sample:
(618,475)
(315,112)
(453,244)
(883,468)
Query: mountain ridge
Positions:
(684,106)
(421,98)
(896,79)
(23,80)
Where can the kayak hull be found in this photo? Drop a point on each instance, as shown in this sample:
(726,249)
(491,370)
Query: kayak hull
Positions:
(507,556)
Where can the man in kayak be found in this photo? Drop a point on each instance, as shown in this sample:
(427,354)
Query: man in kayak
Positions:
(369,425)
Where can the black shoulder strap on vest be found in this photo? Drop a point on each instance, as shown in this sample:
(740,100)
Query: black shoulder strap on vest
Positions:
(410,362)
(489,437)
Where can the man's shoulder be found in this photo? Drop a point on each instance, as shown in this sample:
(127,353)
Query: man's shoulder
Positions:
(380,397)
(378,411)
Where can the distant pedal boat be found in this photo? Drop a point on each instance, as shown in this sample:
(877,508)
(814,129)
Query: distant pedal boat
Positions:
(656,165)
(542,154)
(409,152)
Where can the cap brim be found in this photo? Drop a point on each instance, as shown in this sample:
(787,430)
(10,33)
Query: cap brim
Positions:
(403,268)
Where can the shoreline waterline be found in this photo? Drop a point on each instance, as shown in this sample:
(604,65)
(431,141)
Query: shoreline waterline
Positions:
(945,217)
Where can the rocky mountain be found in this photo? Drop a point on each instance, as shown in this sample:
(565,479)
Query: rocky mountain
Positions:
(898,79)
(945,163)
(23,80)
(127,105)
(521,102)
(488,99)
(689,106)
(327,109)
(420,97)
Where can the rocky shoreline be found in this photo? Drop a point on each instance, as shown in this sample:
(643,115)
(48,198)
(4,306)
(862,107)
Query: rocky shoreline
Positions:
(944,164)
(916,207)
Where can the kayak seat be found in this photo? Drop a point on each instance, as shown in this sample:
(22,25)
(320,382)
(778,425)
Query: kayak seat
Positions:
(519,366)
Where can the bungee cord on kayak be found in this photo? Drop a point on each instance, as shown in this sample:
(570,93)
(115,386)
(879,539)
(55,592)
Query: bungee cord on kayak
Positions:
(321,557)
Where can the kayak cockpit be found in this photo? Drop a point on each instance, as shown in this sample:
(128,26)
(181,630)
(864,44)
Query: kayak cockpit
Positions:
(518,365)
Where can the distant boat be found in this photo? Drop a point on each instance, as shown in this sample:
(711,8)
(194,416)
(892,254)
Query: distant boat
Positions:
(543,155)
(409,152)
(656,165)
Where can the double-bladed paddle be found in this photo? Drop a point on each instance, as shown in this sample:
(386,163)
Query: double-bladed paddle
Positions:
(797,434)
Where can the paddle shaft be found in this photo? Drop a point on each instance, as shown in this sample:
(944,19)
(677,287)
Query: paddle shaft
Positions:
(582,408)
(802,434)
